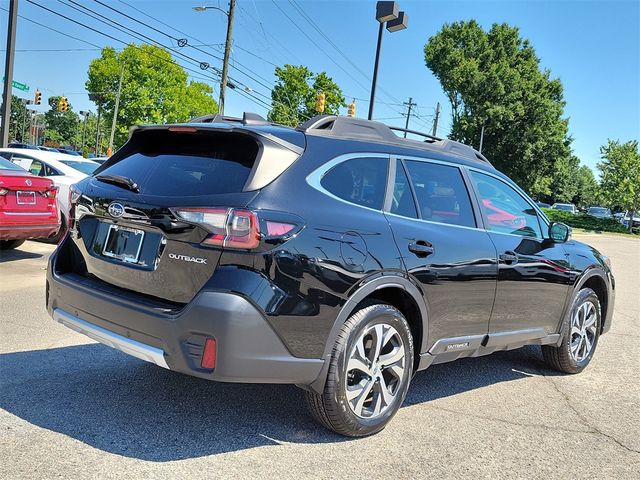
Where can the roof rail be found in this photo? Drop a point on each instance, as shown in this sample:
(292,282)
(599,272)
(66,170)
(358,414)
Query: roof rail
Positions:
(340,126)
(248,118)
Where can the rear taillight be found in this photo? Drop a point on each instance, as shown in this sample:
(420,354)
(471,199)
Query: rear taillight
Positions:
(74,196)
(51,193)
(229,227)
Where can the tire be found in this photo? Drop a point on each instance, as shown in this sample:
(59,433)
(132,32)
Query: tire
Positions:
(583,321)
(60,233)
(361,396)
(10,244)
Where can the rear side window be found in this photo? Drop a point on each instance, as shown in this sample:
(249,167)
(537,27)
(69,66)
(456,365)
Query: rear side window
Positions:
(402,202)
(441,193)
(360,180)
(186,164)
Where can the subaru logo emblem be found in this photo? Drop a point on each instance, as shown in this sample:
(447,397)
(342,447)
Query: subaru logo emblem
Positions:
(28,182)
(116,210)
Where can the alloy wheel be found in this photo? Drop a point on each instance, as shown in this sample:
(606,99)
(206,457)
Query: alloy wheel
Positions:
(375,369)
(583,331)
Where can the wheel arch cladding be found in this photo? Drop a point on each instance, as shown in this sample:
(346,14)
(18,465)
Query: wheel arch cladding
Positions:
(598,285)
(394,290)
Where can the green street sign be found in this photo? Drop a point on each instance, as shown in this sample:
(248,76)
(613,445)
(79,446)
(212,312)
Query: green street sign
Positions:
(20,86)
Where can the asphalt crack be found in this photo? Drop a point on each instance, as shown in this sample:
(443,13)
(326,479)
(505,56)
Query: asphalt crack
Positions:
(584,419)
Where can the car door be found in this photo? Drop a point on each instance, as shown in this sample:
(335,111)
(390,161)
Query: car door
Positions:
(533,273)
(444,249)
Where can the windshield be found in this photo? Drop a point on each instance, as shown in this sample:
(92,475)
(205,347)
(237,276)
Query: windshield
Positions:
(84,167)
(566,208)
(7,165)
(599,211)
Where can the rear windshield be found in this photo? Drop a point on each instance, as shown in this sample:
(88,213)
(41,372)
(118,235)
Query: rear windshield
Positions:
(178,163)
(7,165)
(84,167)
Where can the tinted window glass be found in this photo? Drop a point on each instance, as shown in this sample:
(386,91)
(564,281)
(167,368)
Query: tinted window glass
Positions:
(361,181)
(441,193)
(84,167)
(186,164)
(7,165)
(505,209)
(402,202)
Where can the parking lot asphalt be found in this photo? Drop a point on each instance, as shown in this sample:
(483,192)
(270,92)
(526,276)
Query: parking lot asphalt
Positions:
(71,408)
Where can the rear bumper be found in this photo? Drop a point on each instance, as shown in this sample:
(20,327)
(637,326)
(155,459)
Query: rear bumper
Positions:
(23,232)
(248,349)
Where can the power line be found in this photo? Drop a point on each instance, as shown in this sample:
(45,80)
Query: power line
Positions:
(244,94)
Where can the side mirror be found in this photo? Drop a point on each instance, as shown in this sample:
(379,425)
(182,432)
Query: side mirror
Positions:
(559,232)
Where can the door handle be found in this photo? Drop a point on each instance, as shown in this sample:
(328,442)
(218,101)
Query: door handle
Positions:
(509,258)
(421,248)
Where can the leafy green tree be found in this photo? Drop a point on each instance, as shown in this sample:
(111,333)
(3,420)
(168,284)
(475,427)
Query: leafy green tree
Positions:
(155,89)
(61,126)
(493,79)
(620,173)
(588,189)
(16,119)
(293,99)
(564,180)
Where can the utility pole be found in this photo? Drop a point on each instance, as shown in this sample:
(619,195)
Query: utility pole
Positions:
(435,120)
(481,139)
(227,53)
(8,73)
(115,111)
(98,130)
(409,105)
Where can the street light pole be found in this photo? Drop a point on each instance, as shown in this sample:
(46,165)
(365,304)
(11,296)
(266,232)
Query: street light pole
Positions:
(8,73)
(375,71)
(386,13)
(115,112)
(227,49)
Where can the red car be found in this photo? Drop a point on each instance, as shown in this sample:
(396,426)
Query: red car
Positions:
(28,206)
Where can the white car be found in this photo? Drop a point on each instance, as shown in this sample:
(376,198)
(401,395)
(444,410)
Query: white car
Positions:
(64,170)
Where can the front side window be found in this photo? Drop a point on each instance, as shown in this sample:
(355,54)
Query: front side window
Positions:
(441,193)
(505,209)
(360,180)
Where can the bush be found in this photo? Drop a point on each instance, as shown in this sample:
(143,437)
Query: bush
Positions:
(586,222)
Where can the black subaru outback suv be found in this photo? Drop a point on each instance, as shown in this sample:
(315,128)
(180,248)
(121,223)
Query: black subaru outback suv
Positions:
(336,256)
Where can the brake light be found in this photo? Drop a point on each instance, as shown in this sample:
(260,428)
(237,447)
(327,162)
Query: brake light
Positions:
(229,227)
(74,196)
(278,229)
(51,193)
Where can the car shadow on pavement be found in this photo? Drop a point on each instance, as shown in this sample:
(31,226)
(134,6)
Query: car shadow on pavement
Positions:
(124,406)
(11,255)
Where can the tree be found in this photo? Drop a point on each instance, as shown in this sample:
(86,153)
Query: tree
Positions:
(18,116)
(62,127)
(588,189)
(620,173)
(155,89)
(564,180)
(493,79)
(293,99)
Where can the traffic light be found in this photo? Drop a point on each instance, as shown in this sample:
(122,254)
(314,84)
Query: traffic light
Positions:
(37,100)
(351,109)
(63,105)
(320,102)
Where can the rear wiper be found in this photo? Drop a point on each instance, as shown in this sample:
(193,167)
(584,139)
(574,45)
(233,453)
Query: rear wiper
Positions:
(119,181)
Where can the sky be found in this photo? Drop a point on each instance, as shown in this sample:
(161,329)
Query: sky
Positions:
(592,46)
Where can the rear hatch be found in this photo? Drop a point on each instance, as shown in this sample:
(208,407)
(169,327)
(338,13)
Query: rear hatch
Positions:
(25,198)
(137,223)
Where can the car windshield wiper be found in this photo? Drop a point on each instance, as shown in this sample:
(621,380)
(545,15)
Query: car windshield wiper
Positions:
(119,181)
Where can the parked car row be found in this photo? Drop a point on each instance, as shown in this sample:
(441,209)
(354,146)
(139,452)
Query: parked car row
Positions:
(34,193)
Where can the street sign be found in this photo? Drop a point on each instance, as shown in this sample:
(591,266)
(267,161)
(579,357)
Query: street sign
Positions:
(20,86)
